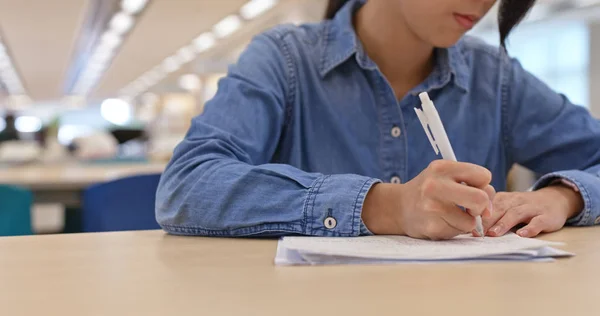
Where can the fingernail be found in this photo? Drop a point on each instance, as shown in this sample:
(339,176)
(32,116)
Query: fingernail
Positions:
(523,233)
(496,230)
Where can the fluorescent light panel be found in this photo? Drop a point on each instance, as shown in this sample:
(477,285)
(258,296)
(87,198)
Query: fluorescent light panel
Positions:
(227,26)
(204,42)
(255,8)
(121,23)
(133,6)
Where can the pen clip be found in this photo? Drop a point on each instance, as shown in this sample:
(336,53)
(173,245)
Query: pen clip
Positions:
(425,122)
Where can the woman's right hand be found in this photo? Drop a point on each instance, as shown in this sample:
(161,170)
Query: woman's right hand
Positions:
(427,207)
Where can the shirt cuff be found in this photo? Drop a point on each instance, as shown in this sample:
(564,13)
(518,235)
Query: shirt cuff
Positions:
(334,206)
(589,188)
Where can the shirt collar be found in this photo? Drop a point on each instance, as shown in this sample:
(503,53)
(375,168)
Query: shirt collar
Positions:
(341,43)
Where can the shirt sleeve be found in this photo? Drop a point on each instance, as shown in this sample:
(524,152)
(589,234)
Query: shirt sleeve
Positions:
(220,182)
(548,134)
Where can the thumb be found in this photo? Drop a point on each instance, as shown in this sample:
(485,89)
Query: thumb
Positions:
(535,227)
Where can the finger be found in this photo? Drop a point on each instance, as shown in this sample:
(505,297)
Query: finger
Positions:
(471,174)
(473,199)
(491,192)
(512,218)
(487,212)
(458,219)
(502,202)
(489,222)
(536,226)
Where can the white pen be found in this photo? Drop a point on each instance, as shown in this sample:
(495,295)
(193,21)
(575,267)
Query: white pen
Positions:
(432,124)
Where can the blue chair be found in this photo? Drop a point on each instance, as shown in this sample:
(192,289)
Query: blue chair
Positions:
(124,204)
(15,211)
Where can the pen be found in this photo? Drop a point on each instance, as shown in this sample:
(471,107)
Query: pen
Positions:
(434,129)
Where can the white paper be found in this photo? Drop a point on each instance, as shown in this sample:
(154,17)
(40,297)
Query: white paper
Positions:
(382,249)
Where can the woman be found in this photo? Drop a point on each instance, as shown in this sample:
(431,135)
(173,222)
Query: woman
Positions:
(312,121)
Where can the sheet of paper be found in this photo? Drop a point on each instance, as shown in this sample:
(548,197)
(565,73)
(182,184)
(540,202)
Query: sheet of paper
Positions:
(313,250)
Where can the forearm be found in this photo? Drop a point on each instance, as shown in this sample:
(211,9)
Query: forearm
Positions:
(224,197)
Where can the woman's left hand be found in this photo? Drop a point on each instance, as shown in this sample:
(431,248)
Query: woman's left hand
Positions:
(543,211)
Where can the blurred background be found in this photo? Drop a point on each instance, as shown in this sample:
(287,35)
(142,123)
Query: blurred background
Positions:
(96,92)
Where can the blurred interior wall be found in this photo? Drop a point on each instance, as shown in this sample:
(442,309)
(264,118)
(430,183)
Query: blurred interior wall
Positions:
(595,68)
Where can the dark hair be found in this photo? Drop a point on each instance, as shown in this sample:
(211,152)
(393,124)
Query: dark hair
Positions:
(333,7)
(510,14)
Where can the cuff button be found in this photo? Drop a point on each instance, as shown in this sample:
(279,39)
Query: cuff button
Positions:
(330,222)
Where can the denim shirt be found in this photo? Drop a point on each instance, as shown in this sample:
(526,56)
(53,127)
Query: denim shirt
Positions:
(305,124)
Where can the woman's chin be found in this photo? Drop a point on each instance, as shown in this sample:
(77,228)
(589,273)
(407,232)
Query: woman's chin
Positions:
(447,41)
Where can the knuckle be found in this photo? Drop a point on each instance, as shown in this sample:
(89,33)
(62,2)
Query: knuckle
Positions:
(490,191)
(429,187)
(481,200)
(486,175)
(438,166)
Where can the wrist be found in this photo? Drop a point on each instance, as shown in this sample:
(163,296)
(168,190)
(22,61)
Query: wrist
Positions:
(379,210)
(567,198)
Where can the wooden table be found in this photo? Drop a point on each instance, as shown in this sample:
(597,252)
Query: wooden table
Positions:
(150,273)
(63,184)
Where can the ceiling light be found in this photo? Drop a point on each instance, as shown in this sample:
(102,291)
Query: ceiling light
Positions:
(28,124)
(111,40)
(227,26)
(116,111)
(121,23)
(4,63)
(255,8)
(204,42)
(95,67)
(133,6)
(186,54)
(101,57)
(189,82)
(171,64)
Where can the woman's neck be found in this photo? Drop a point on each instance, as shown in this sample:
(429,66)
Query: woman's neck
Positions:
(402,57)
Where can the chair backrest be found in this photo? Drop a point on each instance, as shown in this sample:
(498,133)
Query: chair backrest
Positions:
(15,211)
(124,204)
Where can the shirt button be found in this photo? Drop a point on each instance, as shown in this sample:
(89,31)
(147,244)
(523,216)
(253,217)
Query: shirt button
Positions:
(396,132)
(597,221)
(330,222)
(396,180)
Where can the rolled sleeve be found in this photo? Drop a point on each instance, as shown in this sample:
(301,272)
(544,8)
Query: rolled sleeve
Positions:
(334,206)
(589,187)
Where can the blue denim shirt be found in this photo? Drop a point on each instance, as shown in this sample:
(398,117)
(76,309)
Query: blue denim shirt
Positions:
(305,123)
